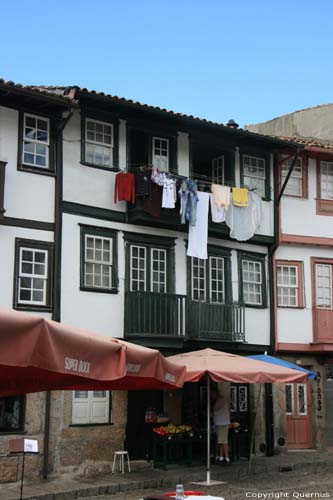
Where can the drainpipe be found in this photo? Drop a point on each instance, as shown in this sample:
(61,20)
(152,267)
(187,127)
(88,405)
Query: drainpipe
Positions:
(269,409)
(56,269)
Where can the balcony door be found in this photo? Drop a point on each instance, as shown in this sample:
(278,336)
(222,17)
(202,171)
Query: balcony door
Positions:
(323,300)
(211,314)
(298,412)
(151,307)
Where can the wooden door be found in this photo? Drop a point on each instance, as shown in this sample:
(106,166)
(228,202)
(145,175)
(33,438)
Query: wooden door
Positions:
(298,410)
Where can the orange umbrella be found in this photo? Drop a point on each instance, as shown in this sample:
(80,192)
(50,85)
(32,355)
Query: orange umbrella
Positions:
(37,354)
(146,369)
(223,366)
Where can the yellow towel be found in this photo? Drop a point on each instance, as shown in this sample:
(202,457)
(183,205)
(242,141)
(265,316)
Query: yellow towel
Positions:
(240,197)
(221,195)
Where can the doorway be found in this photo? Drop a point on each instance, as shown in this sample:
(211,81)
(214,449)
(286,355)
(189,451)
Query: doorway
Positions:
(138,440)
(298,410)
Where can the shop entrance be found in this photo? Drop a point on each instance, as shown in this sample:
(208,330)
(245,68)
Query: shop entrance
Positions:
(138,440)
(298,410)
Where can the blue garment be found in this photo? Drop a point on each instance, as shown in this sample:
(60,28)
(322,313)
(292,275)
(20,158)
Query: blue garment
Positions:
(282,362)
(188,201)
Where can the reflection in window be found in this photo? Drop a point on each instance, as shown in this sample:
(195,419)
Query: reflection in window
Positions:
(11,414)
(289,399)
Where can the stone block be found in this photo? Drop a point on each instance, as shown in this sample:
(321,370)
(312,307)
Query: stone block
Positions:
(8,469)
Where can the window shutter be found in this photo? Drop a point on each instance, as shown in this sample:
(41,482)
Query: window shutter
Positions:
(80,407)
(99,410)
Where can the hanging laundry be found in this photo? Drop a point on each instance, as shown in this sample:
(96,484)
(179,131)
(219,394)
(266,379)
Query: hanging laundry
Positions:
(198,234)
(152,204)
(124,189)
(245,221)
(240,197)
(142,183)
(188,201)
(222,195)
(218,213)
(158,177)
(169,193)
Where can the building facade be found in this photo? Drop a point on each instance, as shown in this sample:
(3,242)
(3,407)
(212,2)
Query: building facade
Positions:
(303,273)
(76,255)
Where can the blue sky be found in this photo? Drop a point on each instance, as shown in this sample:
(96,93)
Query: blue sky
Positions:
(249,60)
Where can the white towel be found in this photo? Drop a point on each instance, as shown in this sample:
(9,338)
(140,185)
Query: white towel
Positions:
(198,234)
(218,213)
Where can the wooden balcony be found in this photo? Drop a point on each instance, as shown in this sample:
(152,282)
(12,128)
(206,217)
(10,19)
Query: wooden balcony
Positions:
(323,325)
(174,315)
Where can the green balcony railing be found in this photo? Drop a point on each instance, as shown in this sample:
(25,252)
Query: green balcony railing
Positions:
(176,315)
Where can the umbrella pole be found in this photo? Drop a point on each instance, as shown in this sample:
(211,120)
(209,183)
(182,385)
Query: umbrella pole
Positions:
(253,425)
(208,428)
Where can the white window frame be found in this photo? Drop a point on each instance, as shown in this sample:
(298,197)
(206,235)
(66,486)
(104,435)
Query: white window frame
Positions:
(295,177)
(217,258)
(292,399)
(101,144)
(84,407)
(288,286)
(158,160)
(305,400)
(26,139)
(198,264)
(144,258)
(161,284)
(329,297)
(326,180)
(250,179)
(260,283)
(218,170)
(32,276)
(98,262)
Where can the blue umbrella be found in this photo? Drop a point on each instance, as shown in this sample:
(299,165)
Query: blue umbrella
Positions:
(276,361)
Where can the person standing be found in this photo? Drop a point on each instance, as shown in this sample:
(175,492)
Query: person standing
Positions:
(221,416)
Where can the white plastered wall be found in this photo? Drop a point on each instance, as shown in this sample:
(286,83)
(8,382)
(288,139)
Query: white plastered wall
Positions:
(295,325)
(27,195)
(104,313)
(7,261)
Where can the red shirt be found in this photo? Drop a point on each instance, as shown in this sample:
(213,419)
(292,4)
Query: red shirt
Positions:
(124,187)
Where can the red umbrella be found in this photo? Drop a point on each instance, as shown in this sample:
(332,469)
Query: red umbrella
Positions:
(38,354)
(146,369)
(223,366)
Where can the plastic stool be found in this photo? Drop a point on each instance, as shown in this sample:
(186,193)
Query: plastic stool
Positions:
(121,455)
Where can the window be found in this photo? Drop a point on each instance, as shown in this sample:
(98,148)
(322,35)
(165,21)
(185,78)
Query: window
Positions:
(211,278)
(296,181)
(98,143)
(33,275)
(160,156)
(252,279)
(35,142)
(99,259)
(324,199)
(326,180)
(12,414)
(329,374)
(150,266)
(323,285)
(289,280)
(218,170)
(91,407)
(254,174)
(289,391)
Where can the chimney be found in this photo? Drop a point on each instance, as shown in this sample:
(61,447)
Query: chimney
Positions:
(232,124)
